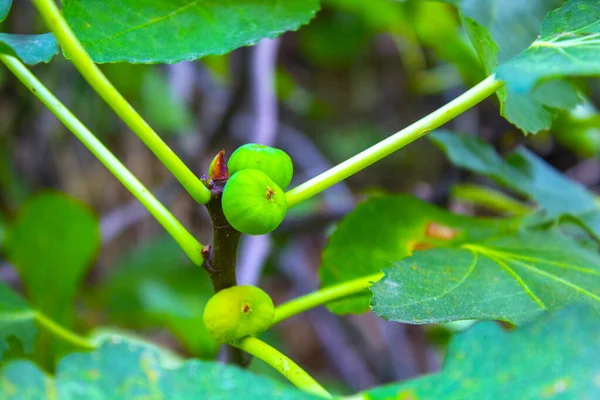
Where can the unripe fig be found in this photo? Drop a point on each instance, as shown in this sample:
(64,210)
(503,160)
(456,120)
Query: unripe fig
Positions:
(252,203)
(273,162)
(238,311)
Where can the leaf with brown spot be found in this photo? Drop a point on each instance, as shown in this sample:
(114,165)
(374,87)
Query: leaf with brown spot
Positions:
(386,229)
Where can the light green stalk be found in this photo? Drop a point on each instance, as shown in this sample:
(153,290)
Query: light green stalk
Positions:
(185,239)
(395,142)
(324,296)
(92,74)
(283,364)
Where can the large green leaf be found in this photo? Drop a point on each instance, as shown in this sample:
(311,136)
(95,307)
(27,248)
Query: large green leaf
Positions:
(4,8)
(556,357)
(51,244)
(125,369)
(147,31)
(569,46)
(389,228)
(525,173)
(513,26)
(509,278)
(499,33)
(17,320)
(31,49)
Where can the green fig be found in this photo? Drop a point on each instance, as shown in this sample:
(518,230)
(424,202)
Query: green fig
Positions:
(238,311)
(252,203)
(273,162)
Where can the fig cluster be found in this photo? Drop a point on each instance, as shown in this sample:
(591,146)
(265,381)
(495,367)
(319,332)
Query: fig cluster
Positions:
(253,199)
(238,311)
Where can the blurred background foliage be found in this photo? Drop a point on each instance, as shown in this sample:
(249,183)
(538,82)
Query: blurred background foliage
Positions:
(357,73)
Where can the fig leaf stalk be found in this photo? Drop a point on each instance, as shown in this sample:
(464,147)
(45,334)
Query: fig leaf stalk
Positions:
(288,368)
(470,98)
(98,81)
(183,237)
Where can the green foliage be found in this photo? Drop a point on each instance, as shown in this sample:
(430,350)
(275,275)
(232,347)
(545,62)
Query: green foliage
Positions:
(390,228)
(4,8)
(501,22)
(555,357)
(51,244)
(526,174)
(31,49)
(510,278)
(144,31)
(17,320)
(437,27)
(500,33)
(438,267)
(125,369)
(569,45)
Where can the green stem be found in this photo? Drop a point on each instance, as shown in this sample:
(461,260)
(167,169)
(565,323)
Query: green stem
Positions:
(92,74)
(323,296)
(490,198)
(185,239)
(62,333)
(283,364)
(386,147)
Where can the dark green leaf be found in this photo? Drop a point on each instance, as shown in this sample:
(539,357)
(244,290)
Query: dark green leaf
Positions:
(569,46)
(146,31)
(525,173)
(122,368)
(17,319)
(31,49)
(51,244)
(509,278)
(499,33)
(555,357)
(513,26)
(4,8)
(389,228)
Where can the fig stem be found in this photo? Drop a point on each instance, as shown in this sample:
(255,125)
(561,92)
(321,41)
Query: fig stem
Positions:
(323,296)
(288,368)
(490,199)
(221,259)
(98,81)
(470,98)
(184,238)
(61,332)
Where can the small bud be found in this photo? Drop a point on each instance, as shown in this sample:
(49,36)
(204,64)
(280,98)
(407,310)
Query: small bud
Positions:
(217,170)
